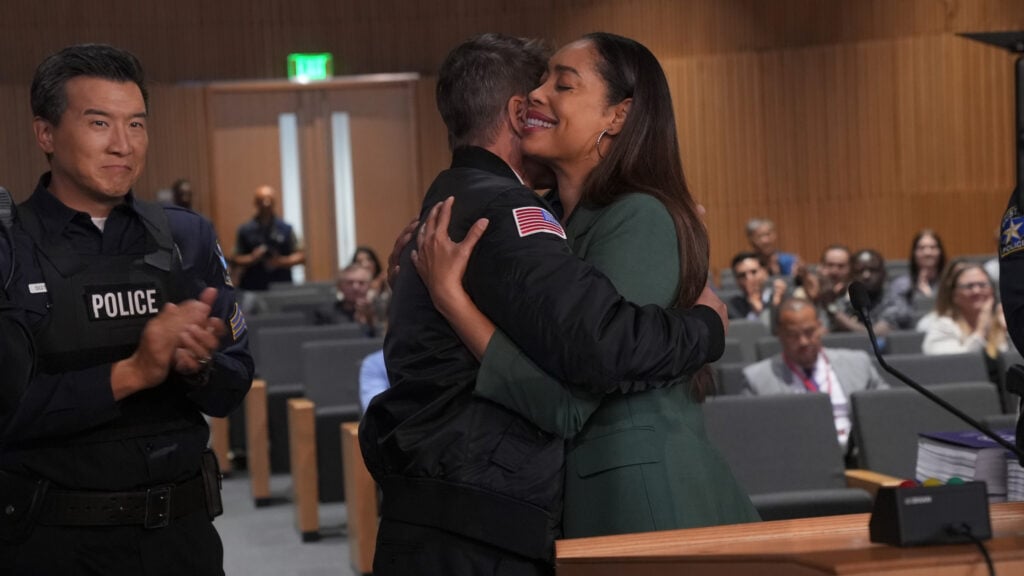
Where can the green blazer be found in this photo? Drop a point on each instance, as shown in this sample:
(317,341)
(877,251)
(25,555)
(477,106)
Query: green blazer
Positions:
(635,462)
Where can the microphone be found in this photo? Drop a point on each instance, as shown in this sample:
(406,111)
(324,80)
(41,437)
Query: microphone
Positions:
(861,303)
(914,515)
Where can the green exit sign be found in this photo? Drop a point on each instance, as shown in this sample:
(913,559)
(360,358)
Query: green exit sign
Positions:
(310,67)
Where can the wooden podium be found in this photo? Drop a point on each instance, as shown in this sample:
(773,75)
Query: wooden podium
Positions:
(811,546)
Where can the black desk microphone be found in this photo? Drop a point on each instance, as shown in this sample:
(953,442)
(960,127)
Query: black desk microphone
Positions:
(861,303)
(916,515)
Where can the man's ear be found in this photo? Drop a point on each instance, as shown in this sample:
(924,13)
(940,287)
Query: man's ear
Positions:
(44,134)
(516,109)
(620,112)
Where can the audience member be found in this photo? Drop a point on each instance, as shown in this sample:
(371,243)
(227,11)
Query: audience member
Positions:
(379,293)
(367,258)
(888,311)
(763,239)
(805,366)
(826,287)
(834,272)
(266,248)
(968,317)
(353,303)
(927,260)
(181,193)
(758,294)
(373,378)
(954,266)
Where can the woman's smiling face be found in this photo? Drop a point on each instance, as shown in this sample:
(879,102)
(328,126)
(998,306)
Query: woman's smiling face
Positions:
(569,110)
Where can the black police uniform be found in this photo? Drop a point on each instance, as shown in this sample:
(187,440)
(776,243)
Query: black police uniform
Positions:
(17,352)
(97,485)
(1011,281)
(279,238)
(470,487)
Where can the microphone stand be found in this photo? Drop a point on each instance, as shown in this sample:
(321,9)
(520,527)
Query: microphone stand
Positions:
(866,318)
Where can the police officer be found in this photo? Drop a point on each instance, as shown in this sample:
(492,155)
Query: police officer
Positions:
(17,354)
(103,468)
(1011,287)
(266,248)
(468,486)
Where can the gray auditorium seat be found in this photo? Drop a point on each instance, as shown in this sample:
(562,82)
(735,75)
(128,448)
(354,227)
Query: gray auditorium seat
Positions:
(255,324)
(886,422)
(784,452)
(896,268)
(904,342)
(748,332)
(280,349)
(298,299)
(330,375)
(280,353)
(726,279)
(729,378)
(767,347)
(733,352)
(928,370)
(848,340)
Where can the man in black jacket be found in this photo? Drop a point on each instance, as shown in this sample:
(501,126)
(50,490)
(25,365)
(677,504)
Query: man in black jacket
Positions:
(468,486)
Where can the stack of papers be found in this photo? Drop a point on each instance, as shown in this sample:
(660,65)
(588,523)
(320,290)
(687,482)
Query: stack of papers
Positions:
(1014,480)
(969,455)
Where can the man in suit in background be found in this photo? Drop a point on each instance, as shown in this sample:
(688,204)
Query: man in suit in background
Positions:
(805,366)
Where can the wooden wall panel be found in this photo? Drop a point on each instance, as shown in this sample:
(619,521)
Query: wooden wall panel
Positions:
(384,161)
(862,143)
(177,143)
(245,151)
(860,119)
(432,136)
(21,160)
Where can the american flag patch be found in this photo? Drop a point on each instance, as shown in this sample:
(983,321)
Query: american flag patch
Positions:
(237,322)
(533,220)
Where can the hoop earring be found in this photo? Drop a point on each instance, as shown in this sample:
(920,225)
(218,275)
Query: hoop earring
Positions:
(598,145)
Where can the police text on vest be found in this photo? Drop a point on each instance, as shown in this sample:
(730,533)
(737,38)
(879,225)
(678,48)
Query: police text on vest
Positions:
(123,303)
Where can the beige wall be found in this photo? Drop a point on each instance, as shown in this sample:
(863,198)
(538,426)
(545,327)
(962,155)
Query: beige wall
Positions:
(850,120)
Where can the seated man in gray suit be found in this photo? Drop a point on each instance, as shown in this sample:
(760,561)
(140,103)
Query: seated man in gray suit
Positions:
(804,366)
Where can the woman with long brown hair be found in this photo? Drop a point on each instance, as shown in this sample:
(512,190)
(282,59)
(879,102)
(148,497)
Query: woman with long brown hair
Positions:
(602,121)
(968,317)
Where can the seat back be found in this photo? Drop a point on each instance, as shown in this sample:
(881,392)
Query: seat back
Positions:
(733,352)
(300,299)
(330,370)
(904,342)
(896,268)
(847,340)
(767,347)
(780,443)
(748,332)
(257,322)
(929,370)
(729,378)
(886,422)
(280,349)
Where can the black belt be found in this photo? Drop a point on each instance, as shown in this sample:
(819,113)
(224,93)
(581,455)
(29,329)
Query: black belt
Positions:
(152,508)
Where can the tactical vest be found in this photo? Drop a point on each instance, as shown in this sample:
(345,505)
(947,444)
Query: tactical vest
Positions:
(98,307)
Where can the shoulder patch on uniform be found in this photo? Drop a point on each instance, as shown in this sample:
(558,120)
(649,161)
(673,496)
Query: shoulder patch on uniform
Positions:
(238,326)
(223,264)
(536,220)
(1011,233)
